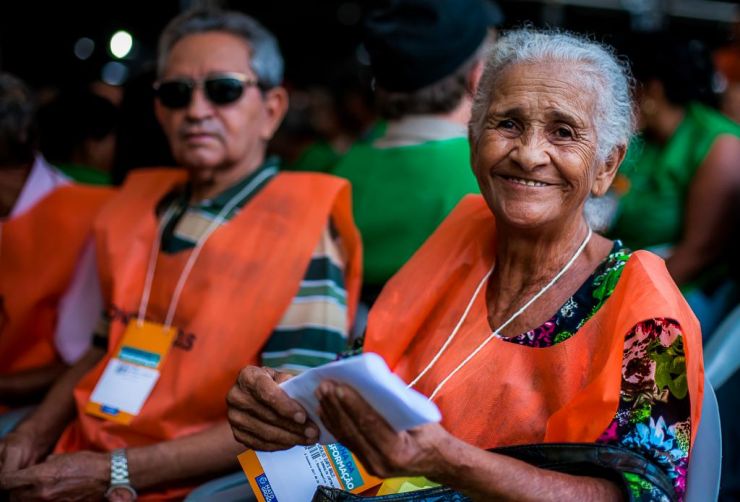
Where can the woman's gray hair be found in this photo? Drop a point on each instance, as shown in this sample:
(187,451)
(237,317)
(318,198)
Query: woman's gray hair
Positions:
(267,62)
(612,80)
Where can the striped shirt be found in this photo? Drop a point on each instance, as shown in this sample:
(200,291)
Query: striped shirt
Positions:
(314,328)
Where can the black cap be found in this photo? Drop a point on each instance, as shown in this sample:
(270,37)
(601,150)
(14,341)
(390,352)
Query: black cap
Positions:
(415,43)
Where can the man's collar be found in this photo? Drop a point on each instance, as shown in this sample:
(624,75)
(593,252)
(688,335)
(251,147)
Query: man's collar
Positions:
(220,200)
(417,129)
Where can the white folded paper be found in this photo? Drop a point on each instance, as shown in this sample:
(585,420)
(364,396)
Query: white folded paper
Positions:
(402,407)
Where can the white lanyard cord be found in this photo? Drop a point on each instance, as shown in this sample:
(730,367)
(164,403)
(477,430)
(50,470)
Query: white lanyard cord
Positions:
(480,347)
(153,264)
(217,221)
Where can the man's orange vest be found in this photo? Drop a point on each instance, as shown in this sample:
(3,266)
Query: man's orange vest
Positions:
(39,252)
(244,280)
(512,394)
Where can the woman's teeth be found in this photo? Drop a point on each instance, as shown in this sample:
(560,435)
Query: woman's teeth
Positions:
(522,181)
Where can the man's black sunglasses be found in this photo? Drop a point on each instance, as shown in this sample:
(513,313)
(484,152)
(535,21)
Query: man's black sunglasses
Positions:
(220,89)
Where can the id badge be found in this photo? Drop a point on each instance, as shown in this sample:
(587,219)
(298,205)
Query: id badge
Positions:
(130,376)
(295,474)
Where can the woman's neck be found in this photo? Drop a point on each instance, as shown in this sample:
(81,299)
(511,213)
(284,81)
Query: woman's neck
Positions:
(533,258)
(526,262)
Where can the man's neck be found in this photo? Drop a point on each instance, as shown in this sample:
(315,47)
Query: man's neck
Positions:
(461,113)
(208,184)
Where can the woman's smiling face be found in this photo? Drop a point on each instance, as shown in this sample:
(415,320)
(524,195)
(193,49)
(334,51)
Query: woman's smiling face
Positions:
(536,156)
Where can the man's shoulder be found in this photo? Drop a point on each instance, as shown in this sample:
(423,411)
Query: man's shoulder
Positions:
(148,175)
(308,181)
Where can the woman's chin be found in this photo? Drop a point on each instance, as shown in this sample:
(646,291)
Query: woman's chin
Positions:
(525,217)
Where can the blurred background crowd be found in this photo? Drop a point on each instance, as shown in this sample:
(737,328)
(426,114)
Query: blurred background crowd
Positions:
(91,67)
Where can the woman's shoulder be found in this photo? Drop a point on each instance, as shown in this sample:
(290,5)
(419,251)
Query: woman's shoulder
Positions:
(712,121)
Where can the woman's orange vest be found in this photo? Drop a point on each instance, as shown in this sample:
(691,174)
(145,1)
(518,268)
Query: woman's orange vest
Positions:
(512,394)
(39,252)
(244,280)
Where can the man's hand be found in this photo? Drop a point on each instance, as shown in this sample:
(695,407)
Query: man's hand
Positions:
(74,476)
(263,417)
(382,451)
(20,449)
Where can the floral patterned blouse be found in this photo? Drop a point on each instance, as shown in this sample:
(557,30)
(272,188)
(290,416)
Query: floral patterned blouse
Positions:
(653,418)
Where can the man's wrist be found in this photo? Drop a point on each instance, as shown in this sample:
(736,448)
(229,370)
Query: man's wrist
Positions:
(119,473)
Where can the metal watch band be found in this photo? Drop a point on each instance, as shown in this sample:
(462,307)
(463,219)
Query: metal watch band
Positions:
(119,472)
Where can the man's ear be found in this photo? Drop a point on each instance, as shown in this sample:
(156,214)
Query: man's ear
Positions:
(276,106)
(607,170)
(159,111)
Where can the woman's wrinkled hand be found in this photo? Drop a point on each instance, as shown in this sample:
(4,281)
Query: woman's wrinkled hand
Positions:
(263,417)
(382,451)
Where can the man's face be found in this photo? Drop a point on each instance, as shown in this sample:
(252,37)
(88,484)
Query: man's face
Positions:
(205,137)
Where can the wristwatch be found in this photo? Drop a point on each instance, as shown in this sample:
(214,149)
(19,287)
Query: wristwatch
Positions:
(119,473)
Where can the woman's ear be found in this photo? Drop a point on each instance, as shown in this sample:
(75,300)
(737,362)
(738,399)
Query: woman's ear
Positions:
(607,170)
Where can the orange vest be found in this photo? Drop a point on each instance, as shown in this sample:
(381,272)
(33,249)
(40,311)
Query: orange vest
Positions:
(242,283)
(39,253)
(512,394)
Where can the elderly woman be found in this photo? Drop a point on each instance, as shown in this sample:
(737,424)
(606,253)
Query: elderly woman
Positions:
(522,325)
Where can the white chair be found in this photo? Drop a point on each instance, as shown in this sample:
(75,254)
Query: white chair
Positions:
(722,353)
(705,464)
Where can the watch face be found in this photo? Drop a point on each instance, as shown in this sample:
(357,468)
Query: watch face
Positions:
(122,487)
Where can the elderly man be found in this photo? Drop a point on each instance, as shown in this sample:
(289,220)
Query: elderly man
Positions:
(49,294)
(223,264)
(426,59)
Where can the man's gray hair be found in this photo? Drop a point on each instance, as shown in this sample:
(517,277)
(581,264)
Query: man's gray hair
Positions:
(267,62)
(603,73)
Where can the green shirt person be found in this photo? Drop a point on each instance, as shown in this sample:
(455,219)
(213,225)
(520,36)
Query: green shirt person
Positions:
(680,181)
(406,181)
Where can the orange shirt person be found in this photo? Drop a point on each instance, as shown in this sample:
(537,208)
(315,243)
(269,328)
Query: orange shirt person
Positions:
(200,268)
(49,292)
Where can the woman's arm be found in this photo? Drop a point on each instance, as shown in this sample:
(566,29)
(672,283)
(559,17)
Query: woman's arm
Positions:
(484,475)
(709,214)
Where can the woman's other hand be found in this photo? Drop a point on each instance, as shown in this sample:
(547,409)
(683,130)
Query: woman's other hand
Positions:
(381,450)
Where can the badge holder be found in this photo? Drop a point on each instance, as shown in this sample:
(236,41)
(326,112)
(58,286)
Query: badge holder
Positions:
(130,376)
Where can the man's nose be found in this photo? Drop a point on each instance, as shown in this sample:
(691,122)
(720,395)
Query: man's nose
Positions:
(199,107)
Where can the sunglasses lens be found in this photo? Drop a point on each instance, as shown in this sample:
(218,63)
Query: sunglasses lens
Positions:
(224,90)
(174,94)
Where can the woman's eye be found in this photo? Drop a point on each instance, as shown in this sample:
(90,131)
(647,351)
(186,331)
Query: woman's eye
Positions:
(507,124)
(563,133)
